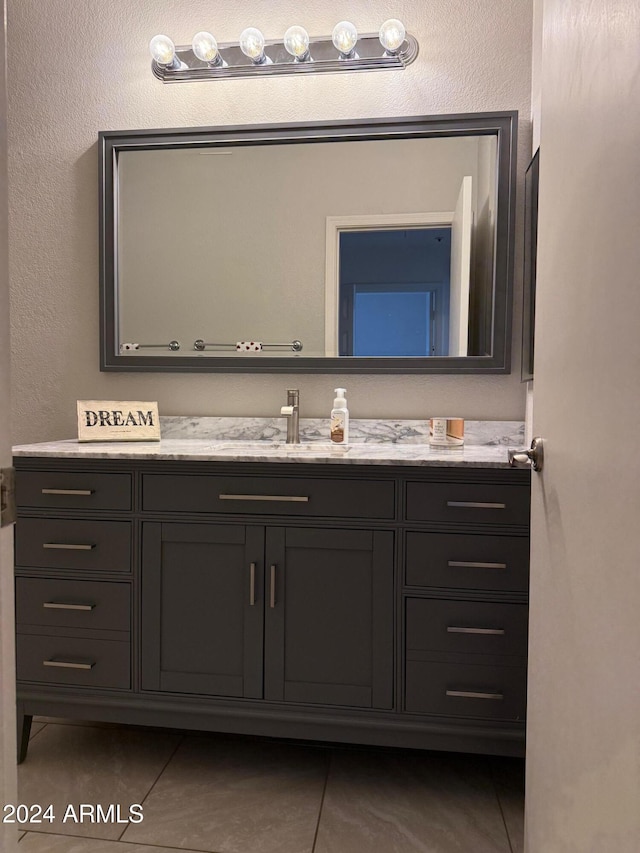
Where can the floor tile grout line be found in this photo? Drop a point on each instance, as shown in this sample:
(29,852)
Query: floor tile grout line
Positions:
(155,781)
(35,735)
(324,791)
(116,841)
(163,847)
(504,820)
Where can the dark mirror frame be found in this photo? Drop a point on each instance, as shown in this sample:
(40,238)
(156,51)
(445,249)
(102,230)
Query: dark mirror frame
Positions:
(502,124)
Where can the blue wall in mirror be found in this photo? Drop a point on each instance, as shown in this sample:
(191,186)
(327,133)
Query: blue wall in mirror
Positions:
(394,292)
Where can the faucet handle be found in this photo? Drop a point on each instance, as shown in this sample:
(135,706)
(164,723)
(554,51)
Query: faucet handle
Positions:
(292,413)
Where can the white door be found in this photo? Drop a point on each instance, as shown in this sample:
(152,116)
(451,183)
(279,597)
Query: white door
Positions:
(583,747)
(7,671)
(461,230)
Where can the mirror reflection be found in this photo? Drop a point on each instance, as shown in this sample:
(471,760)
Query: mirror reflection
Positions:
(364,246)
(394,292)
(352,248)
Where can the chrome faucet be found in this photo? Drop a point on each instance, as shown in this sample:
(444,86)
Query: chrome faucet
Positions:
(292,412)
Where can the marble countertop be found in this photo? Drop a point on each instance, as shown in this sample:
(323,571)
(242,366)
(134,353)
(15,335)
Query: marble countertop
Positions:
(371,442)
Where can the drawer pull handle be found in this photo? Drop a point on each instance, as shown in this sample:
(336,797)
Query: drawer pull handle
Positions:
(298,498)
(55,605)
(252,584)
(477,504)
(272,593)
(83,492)
(58,546)
(64,664)
(453,629)
(470,694)
(463,564)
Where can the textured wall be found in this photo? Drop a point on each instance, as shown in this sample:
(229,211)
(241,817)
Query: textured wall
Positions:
(80,66)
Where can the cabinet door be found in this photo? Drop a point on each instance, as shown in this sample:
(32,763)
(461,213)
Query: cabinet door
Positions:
(329,617)
(202,609)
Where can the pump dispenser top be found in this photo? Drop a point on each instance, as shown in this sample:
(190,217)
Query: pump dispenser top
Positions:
(340,418)
(340,401)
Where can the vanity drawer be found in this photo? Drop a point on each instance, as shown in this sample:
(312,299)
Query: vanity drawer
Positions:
(73,544)
(340,498)
(468,503)
(466,690)
(73,490)
(79,661)
(474,627)
(73,604)
(467,561)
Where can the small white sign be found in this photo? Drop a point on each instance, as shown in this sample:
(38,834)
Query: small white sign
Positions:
(117,420)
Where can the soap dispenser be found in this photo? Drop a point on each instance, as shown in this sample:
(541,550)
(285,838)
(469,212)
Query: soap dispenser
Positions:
(340,418)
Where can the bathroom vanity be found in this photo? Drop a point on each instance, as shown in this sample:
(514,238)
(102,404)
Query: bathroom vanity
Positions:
(371,595)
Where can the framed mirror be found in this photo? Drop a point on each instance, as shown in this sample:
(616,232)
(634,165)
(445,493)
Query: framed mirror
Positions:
(378,246)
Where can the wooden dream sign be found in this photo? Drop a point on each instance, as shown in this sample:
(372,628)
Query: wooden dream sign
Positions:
(117,420)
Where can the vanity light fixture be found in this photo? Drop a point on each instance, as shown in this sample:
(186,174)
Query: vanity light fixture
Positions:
(296,42)
(392,34)
(253,55)
(344,38)
(205,48)
(252,45)
(163,53)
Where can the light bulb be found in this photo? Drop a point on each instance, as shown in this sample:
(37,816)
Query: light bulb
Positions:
(163,50)
(252,45)
(205,47)
(392,34)
(296,42)
(344,38)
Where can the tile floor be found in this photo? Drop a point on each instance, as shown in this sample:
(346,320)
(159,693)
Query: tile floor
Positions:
(203,793)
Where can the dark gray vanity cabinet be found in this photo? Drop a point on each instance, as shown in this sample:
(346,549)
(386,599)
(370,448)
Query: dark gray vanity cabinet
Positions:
(317,629)
(202,620)
(329,617)
(359,603)
(465,603)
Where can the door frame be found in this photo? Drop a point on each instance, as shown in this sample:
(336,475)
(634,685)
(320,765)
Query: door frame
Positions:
(335,225)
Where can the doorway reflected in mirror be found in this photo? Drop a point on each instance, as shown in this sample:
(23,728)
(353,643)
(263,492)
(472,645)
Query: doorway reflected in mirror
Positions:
(394,292)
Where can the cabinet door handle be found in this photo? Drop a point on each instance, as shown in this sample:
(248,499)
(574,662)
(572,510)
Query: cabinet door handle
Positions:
(56,605)
(64,664)
(477,504)
(453,629)
(83,492)
(252,584)
(298,498)
(471,694)
(58,546)
(464,564)
(272,591)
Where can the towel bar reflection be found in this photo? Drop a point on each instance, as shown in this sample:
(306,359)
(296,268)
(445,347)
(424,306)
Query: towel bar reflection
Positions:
(174,346)
(200,345)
